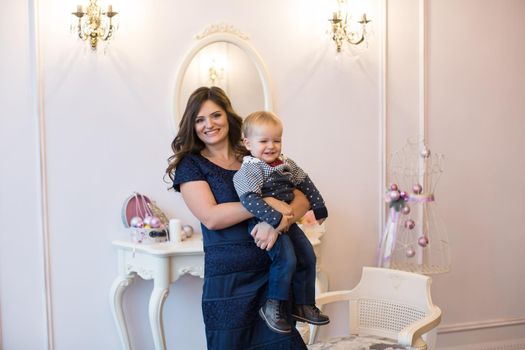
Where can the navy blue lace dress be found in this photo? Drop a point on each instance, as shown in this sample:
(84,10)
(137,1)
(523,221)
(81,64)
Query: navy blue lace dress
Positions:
(235,273)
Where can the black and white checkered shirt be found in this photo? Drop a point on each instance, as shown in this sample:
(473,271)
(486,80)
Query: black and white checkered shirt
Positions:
(257,179)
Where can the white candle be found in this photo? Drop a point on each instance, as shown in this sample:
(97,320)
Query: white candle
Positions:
(175,229)
(79,8)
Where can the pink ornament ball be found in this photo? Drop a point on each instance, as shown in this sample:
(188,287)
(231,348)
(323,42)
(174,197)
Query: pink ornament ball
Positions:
(417,188)
(410,224)
(403,195)
(410,253)
(405,210)
(394,195)
(155,222)
(393,187)
(136,221)
(387,198)
(147,220)
(422,241)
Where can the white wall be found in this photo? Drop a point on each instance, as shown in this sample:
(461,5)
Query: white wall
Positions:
(476,104)
(476,116)
(22,308)
(108,130)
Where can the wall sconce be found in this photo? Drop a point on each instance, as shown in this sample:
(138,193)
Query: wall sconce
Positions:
(342,28)
(94,24)
(215,74)
(216,70)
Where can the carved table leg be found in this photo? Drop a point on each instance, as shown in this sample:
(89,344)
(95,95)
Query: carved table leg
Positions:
(156,302)
(115,299)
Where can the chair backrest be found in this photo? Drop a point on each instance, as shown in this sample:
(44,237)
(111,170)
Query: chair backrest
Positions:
(386,300)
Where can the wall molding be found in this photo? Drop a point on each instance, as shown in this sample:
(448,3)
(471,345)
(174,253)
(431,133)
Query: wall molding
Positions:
(514,344)
(473,326)
(37,86)
(422,67)
(383,116)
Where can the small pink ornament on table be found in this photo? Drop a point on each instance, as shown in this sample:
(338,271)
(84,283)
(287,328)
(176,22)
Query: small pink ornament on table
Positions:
(155,222)
(136,221)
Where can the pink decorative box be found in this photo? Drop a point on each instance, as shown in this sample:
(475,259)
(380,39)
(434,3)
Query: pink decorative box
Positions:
(146,223)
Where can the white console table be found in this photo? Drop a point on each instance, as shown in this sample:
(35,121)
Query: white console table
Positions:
(165,263)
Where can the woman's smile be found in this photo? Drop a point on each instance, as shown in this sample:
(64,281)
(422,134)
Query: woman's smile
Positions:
(211,124)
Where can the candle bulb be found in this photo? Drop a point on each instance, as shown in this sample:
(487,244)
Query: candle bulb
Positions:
(334,16)
(79,8)
(175,230)
(110,8)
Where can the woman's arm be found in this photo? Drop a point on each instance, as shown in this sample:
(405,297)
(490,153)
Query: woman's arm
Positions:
(300,205)
(198,197)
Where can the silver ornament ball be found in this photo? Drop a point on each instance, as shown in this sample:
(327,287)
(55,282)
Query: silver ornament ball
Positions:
(394,195)
(425,153)
(136,221)
(188,230)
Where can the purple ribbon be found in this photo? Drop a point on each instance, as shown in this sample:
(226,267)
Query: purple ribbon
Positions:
(388,239)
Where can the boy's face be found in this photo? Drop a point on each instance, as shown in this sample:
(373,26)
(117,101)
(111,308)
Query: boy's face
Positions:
(264,142)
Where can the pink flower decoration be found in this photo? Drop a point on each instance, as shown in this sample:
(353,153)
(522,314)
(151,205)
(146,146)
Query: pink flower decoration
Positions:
(308,218)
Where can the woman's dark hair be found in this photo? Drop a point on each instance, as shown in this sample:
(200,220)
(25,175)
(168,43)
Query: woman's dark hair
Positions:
(187,140)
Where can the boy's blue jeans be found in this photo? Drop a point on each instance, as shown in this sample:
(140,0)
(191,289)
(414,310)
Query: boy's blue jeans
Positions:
(293,264)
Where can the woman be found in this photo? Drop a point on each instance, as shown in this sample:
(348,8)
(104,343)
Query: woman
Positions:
(207,153)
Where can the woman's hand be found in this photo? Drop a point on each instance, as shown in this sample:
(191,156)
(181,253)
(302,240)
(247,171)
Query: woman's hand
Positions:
(300,205)
(264,235)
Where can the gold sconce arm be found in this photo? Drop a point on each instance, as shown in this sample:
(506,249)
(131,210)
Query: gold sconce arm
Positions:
(341,31)
(95,24)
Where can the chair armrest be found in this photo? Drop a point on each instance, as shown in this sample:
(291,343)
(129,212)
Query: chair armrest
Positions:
(323,299)
(330,297)
(411,334)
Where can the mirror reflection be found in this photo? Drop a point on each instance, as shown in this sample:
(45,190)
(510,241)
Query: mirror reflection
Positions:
(227,66)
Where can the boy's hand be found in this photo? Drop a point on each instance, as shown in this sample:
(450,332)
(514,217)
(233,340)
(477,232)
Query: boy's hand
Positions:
(285,223)
(264,235)
(282,207)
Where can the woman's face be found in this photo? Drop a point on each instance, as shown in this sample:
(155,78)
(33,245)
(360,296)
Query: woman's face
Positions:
(211,124)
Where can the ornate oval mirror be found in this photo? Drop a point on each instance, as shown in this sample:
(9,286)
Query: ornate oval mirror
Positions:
(223,57)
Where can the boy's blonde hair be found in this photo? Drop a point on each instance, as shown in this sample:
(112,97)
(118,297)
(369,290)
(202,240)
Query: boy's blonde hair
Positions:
(259,118)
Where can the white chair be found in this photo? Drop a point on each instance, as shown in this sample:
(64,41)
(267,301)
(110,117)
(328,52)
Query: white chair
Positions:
(386,307)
